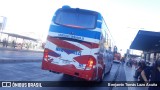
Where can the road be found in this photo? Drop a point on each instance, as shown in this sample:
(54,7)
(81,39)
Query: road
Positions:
(20,70)
(31,71)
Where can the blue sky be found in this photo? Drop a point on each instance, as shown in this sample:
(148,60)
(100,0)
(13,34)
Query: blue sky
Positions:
(123,17)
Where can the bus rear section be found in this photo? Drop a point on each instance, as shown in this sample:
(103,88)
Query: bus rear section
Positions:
(73,44)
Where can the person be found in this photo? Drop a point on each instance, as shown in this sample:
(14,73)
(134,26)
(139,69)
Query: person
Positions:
(13,44)
(129,63)
(145,74)
(141,66)
(155,75)
(4,42)
(21,45)
(123,60)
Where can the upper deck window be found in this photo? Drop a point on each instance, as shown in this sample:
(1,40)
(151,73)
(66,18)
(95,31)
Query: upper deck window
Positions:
(76,18)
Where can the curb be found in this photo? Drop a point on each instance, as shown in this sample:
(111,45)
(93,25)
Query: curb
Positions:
(10,60)
(21,50)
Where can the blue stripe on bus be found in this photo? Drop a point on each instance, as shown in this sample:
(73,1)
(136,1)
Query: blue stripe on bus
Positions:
(75,31)
(99,24)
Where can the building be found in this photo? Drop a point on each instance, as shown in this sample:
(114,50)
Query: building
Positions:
(149,43)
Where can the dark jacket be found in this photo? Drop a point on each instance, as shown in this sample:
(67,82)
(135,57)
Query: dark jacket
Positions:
(155,78)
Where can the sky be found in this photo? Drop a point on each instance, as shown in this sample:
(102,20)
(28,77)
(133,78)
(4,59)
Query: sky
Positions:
(123,17)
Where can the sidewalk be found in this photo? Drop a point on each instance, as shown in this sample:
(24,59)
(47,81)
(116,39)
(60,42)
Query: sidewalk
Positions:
(13,60)
(129,72)
(18,58)
(18,49)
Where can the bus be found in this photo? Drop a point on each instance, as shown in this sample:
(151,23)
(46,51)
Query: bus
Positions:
(75,44)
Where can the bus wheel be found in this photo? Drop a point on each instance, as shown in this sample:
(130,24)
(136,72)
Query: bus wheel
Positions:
(109,70)
(102,76)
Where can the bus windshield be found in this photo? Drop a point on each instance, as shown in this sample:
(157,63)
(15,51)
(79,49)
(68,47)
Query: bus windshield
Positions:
(76,18)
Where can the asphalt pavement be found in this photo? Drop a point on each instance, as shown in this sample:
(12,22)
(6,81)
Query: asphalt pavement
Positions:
(31,71)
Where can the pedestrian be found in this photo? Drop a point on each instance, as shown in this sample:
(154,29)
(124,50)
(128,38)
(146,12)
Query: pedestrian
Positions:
(123,60)
(130,62)
(13,44)
(141,66)
(21,45)
(4,42)
(155,75)
(145,74)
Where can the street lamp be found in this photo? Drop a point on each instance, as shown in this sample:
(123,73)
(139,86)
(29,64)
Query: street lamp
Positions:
(2,25)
